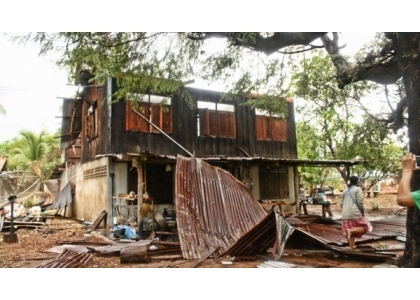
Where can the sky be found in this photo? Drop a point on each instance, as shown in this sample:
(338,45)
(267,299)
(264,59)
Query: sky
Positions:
(31,86)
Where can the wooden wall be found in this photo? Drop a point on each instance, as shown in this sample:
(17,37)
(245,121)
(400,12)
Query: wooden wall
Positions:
(99,143)
(118,140)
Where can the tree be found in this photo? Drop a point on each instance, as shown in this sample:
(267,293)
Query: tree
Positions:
(335,127)
(35,153)
(131,56)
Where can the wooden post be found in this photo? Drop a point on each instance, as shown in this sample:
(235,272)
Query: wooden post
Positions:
(296,190)
(140,183)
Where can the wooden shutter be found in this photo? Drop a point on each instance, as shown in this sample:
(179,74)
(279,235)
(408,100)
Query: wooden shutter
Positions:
(213,123)
(226,124)
(263,128)
(156,117)
(232,125)
(223,124)
(279,129)
(259,124)
(134,122)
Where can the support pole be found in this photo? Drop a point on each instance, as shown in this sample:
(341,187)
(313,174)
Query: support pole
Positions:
(11,237)
(140,183)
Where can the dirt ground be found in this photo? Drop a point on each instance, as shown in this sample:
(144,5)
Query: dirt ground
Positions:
(32,247)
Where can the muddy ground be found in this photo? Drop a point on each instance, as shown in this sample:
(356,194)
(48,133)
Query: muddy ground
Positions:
(33,247)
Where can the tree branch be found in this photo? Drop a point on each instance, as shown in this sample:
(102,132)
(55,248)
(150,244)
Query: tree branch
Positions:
(384,71)
(311,47)
(264,44)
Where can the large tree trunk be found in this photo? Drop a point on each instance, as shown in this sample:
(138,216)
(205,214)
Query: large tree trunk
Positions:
(407,50)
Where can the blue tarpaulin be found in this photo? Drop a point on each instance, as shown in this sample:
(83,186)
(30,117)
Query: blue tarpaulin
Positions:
(127,231)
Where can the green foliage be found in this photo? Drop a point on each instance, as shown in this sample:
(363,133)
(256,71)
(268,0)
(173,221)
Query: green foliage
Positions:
(5,147)
(160,63)
(140,61)
(333,127)
(35,153)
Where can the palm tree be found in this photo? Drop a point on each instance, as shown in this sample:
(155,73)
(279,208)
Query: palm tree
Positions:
(38,154)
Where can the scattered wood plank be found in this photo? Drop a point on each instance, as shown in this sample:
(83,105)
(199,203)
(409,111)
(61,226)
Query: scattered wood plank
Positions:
(115,250)
(166,257)
(163,251)
(167,243)
(22,226)
(204,257)
(98,220)
(24,223)
(82,243)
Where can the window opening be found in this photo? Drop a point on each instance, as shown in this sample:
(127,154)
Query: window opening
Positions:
(157,109)
(216,119)
(274,182)
(270,127)
(91,129)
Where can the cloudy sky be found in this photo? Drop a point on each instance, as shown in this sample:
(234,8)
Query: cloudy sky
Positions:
(29,87)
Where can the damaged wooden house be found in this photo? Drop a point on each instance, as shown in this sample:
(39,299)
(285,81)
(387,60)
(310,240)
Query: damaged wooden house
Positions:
(122,157)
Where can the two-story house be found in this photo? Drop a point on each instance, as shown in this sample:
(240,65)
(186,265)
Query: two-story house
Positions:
(110,150)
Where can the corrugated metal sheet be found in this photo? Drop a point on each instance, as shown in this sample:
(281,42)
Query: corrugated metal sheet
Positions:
(69,259)
(257,240)
(330,230)
(214,210)
(328,235)
(387,228)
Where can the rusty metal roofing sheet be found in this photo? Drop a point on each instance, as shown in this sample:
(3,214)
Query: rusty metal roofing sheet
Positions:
(302,234)
(257,240)
(314,232)
(386,228)
(69,259)
(213,208)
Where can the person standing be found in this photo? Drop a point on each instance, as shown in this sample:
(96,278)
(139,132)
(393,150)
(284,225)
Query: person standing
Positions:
(405,197)
(352,206)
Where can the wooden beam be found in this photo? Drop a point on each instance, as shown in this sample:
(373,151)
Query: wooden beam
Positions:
(98,220)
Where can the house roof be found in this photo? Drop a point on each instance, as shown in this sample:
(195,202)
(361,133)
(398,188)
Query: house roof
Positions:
(291,161)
